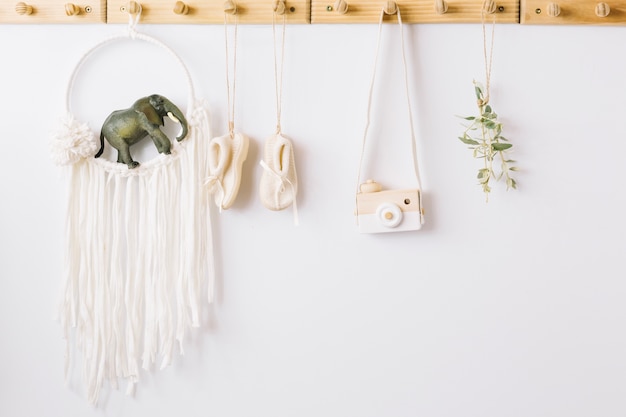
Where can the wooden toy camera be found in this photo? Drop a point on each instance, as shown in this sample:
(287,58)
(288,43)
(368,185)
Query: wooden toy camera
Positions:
(381,211)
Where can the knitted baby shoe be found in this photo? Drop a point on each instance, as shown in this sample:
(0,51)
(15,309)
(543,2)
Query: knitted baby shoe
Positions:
(279,183)
(226,156)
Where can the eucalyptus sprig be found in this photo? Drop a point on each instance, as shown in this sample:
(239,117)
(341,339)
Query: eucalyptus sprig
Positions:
(484,137)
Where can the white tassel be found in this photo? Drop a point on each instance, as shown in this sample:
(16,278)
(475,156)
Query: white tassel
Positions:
(72,142)
(139,253)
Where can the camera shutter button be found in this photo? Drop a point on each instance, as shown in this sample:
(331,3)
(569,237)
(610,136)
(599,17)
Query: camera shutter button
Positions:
(370,186)
(389,214)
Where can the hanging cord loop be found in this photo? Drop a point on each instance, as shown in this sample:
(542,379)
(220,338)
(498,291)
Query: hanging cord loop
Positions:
(134,10)
(230,92)
(278,68)
(487,52)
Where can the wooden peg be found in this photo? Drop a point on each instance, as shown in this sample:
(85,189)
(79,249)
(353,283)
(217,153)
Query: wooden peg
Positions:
(441,6)
(489,6)
(341,6)
(181,8)
(132,7)
(22,8)
(390,7)
(230,7)
(279,7)
(602,9)
(71,9)
(554,10)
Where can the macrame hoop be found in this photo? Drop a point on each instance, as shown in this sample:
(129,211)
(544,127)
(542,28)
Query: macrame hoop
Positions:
(193,113)
(138,247)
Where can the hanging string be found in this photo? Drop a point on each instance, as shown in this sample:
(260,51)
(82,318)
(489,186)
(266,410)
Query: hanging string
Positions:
(408,98)
(488,55)
(134,14)
(278,75)
(230,96)
(369,96)
(408,102)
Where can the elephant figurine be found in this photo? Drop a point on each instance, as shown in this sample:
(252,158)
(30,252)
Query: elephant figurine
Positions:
(124,128)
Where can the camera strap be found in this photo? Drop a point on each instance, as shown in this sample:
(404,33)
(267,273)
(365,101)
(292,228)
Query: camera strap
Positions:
(408,99)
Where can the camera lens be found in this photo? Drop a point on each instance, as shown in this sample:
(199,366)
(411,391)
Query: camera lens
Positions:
(407,201)
(389,215)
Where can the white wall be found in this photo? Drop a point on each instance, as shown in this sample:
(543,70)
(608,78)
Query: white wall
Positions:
(512,308)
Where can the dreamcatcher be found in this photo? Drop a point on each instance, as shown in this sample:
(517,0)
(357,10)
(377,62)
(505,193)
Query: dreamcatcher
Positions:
(138,235)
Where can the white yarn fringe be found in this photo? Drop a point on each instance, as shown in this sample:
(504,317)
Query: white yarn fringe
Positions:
(139,253)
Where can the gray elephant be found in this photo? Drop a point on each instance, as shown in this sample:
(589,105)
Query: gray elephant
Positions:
(126,127)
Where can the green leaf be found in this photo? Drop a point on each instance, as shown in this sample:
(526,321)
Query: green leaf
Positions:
(484,175)
(479,92)
(501,146)
(467,140)
(488,109)
(510,183)
(476,152)
(470,118)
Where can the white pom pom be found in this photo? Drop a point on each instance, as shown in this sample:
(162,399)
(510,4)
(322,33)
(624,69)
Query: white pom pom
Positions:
(72,141)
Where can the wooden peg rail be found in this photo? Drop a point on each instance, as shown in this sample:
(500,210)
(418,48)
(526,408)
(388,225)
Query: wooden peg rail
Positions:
(528,12)
(414,11)
(46,11)
(211,12)
(573,12)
